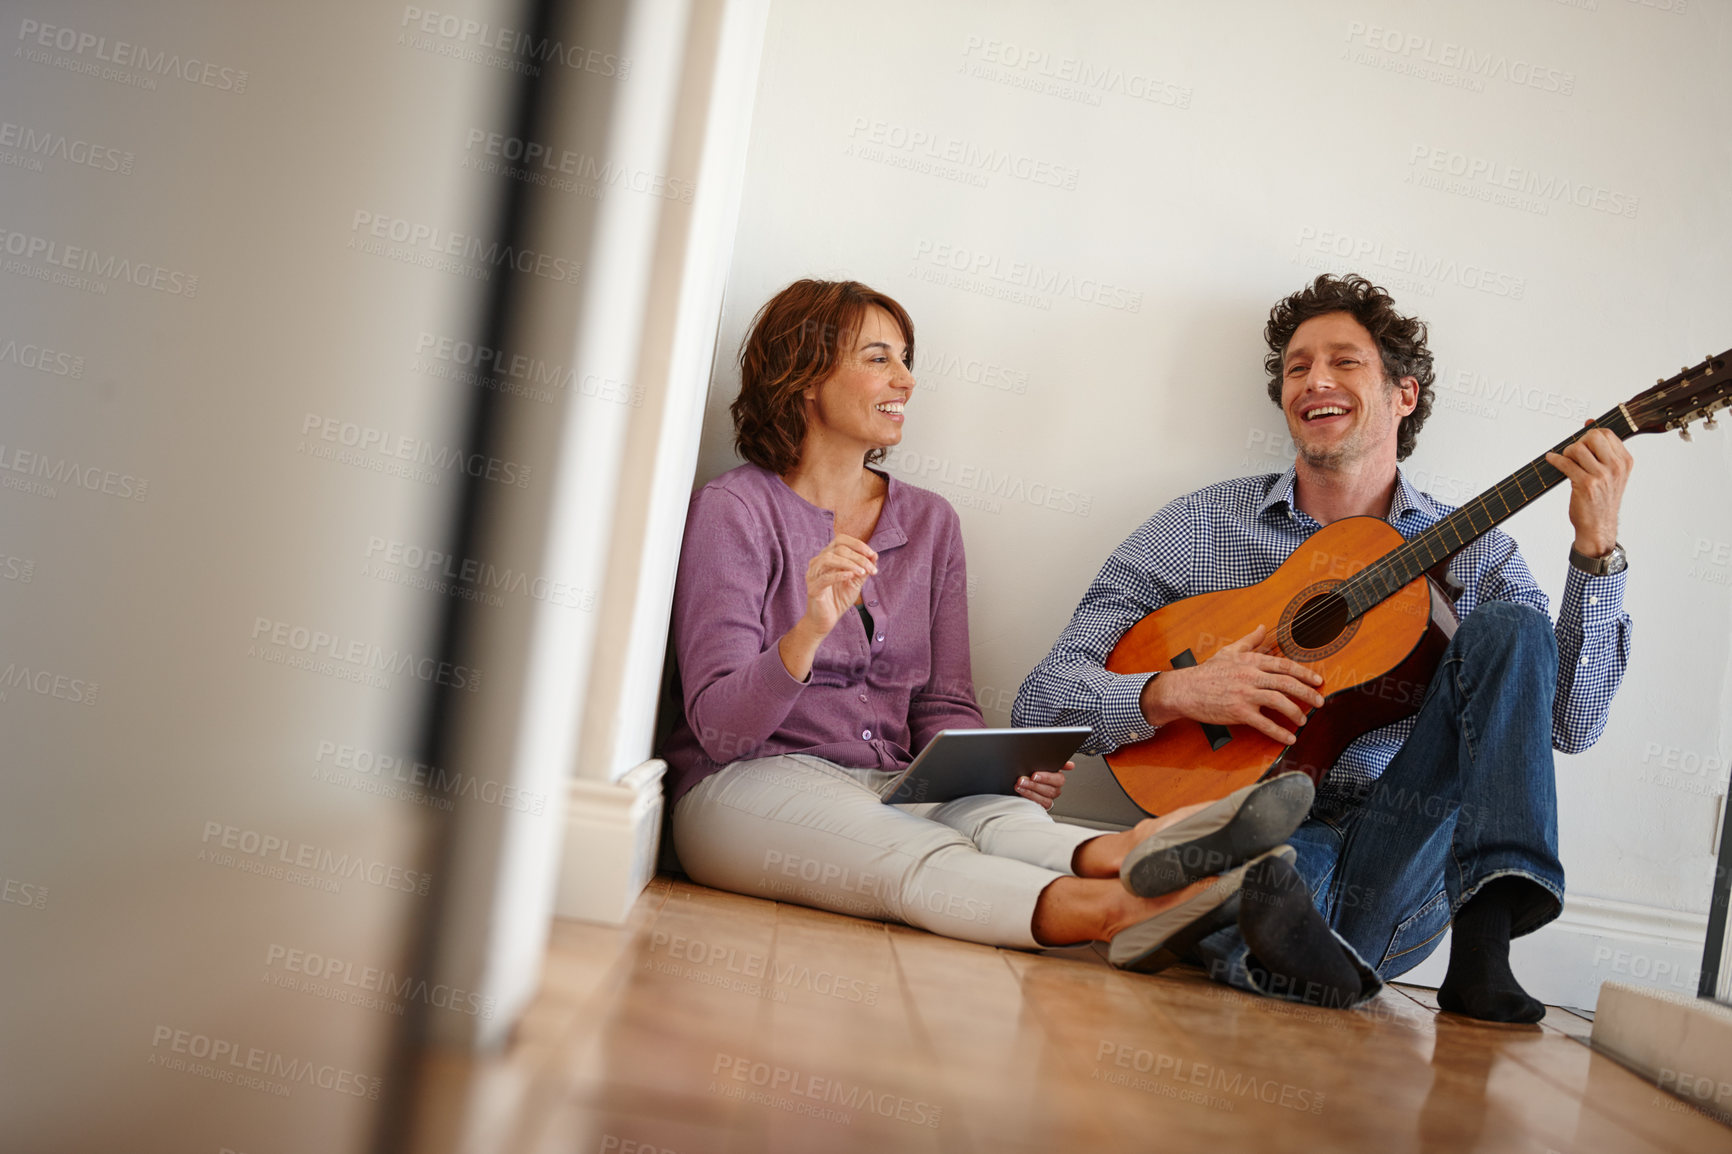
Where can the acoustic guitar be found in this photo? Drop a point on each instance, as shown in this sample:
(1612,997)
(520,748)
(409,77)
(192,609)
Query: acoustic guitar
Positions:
(1359,604)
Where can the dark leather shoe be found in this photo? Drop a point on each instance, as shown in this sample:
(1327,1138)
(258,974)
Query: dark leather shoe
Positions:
(1232,831)
(1164,939)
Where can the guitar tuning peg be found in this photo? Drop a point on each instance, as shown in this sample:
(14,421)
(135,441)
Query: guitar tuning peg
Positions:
(1710,423)
(1684,431)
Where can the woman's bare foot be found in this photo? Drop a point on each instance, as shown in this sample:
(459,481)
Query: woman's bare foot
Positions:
(1073,910)
(1101,857)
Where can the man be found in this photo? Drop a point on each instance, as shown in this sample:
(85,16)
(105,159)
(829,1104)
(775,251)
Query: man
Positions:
(1448,815)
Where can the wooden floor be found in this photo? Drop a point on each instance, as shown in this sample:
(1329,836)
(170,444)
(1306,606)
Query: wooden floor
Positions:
(719,1023)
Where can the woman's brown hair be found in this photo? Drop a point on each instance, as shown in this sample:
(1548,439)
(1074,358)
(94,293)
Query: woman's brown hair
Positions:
(797,340)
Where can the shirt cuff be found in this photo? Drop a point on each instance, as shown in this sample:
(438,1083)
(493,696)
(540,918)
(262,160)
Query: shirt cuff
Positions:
(1122,721)
(1595,601)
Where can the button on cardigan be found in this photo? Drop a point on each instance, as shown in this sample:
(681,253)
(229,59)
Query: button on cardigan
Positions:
(872,700)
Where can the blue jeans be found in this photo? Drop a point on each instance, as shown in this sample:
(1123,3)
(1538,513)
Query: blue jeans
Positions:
(1469,798)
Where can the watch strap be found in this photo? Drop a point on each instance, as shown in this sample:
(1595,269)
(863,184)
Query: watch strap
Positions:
(1612,562)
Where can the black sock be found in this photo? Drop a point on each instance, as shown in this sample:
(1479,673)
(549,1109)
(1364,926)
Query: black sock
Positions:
(1479,983)
(1290,942)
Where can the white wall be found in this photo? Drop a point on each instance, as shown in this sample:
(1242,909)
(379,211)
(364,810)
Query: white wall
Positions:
(1180,167)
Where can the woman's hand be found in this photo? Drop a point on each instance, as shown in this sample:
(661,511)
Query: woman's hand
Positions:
(1043,786)
(834,579)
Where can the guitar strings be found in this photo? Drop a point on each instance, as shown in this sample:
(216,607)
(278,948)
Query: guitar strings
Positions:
(1384,577)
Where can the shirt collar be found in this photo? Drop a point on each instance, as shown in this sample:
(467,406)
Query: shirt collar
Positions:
(1280,493)
(1407,498)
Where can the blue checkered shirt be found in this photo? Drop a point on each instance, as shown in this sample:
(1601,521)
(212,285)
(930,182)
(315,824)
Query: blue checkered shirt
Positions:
(1236,533)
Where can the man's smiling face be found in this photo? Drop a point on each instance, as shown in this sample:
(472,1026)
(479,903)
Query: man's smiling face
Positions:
(1340,408)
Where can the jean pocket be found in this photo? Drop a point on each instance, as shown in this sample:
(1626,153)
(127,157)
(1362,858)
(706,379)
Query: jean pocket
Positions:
(1416,937)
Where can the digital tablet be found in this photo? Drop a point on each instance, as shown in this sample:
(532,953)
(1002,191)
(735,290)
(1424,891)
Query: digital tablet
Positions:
(964,762)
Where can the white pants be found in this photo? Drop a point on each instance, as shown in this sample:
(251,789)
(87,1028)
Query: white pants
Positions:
(801,829)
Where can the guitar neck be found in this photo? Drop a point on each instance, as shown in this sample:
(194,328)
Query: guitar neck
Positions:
(1395,569)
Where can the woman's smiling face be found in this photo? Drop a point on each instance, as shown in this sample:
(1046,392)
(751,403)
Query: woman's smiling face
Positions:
(863,399)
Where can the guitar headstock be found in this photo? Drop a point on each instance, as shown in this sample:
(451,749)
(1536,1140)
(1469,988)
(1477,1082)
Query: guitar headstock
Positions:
(1675,401)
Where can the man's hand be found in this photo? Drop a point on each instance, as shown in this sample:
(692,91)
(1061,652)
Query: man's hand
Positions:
(1043,786)
(1234,687)
(1598,466)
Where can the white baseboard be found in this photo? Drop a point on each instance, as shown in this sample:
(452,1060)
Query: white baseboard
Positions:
(612,832)
(1596,940)
(1681,1044)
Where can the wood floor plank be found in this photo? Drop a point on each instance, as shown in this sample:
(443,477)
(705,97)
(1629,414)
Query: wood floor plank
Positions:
(847,1069)
(719,1024)
(1011,1094)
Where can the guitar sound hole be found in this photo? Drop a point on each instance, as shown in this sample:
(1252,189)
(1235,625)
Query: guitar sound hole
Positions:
(1320,620)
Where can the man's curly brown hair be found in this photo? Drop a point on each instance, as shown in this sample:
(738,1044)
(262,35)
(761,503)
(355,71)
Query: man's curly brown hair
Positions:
(1400,340)
(797,340)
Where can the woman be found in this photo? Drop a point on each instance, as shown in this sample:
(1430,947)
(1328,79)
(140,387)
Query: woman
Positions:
(821,628)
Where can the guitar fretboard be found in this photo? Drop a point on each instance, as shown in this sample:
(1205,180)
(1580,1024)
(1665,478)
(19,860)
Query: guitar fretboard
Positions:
(1380,580)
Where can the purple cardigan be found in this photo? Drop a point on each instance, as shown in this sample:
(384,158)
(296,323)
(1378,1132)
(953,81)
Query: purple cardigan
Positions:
(871,701)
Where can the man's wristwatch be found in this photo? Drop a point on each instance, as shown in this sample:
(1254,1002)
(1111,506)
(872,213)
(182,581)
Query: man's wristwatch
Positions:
(1613,562)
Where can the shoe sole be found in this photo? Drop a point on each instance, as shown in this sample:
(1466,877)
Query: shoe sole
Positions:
(1151,946)
(1245,823)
